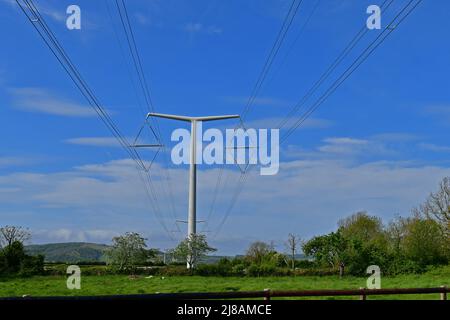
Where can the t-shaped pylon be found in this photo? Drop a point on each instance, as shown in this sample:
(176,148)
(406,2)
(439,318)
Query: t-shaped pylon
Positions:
(192,213)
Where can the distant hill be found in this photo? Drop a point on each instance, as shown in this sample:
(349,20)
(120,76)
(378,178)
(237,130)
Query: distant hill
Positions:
(73,252)
(70,252)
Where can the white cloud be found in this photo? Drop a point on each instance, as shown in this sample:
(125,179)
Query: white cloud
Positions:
(306,197)
(192,28)
(142,19)
(440,112)
(213,30)
(12,3)
(13,161)
(395,137)
(95,141)
(57,15)
(273,122)
(343,145)
(69,235)
(434,147)
(9,190)
(40,100)
(350,146)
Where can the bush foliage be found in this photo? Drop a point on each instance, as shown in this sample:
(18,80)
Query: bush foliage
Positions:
(14,261)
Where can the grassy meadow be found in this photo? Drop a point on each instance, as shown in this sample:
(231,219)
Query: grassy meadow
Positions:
(117,284)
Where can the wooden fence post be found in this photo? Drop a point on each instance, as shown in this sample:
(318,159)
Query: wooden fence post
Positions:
(363,294)
(266,294)
(444,293)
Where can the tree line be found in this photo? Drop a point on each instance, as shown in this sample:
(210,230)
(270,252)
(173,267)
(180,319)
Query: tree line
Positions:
(404,245)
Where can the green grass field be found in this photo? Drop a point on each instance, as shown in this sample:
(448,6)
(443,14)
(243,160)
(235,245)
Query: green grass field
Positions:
(109,285)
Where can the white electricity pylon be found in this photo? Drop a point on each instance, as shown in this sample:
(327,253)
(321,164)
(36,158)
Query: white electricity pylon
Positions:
(192,211)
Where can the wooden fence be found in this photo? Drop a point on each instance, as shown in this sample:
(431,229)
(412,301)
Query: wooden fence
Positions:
(266,294)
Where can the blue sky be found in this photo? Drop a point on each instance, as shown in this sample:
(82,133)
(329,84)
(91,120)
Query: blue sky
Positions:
(380,143)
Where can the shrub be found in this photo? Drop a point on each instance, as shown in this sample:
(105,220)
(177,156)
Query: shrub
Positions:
(238,269)
(304,264)
(32,265)
(256,270)
(219,269)
(94,270)
(314,272)
(403,266)
(13,255)
(173,271)
(14,261)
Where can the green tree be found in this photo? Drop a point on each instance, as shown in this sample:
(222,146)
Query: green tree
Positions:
(367,242)
(128,252)
(327,250)
(363,227)
(259,252)
(192,249)
(14,260)
(424,242)
(13,255)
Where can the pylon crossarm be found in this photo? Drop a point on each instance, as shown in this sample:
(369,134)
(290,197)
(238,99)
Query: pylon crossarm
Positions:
(190,119)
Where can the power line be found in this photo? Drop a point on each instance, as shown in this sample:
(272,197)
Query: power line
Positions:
(122,51)
(153,197)
(285,27)
(343,54)
(291,47)
(240,185)
(401,16)
(289,18)
(134,51)
(214,198)
(345,76)
(123,13)
(57,50)
(150,191)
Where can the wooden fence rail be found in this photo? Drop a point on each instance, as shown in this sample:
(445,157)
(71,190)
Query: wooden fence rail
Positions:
(267,294)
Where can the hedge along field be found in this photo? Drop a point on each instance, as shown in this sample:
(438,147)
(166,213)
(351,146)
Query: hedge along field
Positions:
(117,284)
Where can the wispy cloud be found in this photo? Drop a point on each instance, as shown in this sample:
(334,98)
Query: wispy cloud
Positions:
(57,15)
(110,195)
(395,137)
(44,9)
(346,149)
(9,2)
(13,161)
(434,147)
(65,235)
(142,19)
(42,101)
(440,112)
(343,145)
(194,28)
(273,122)
(94,141)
